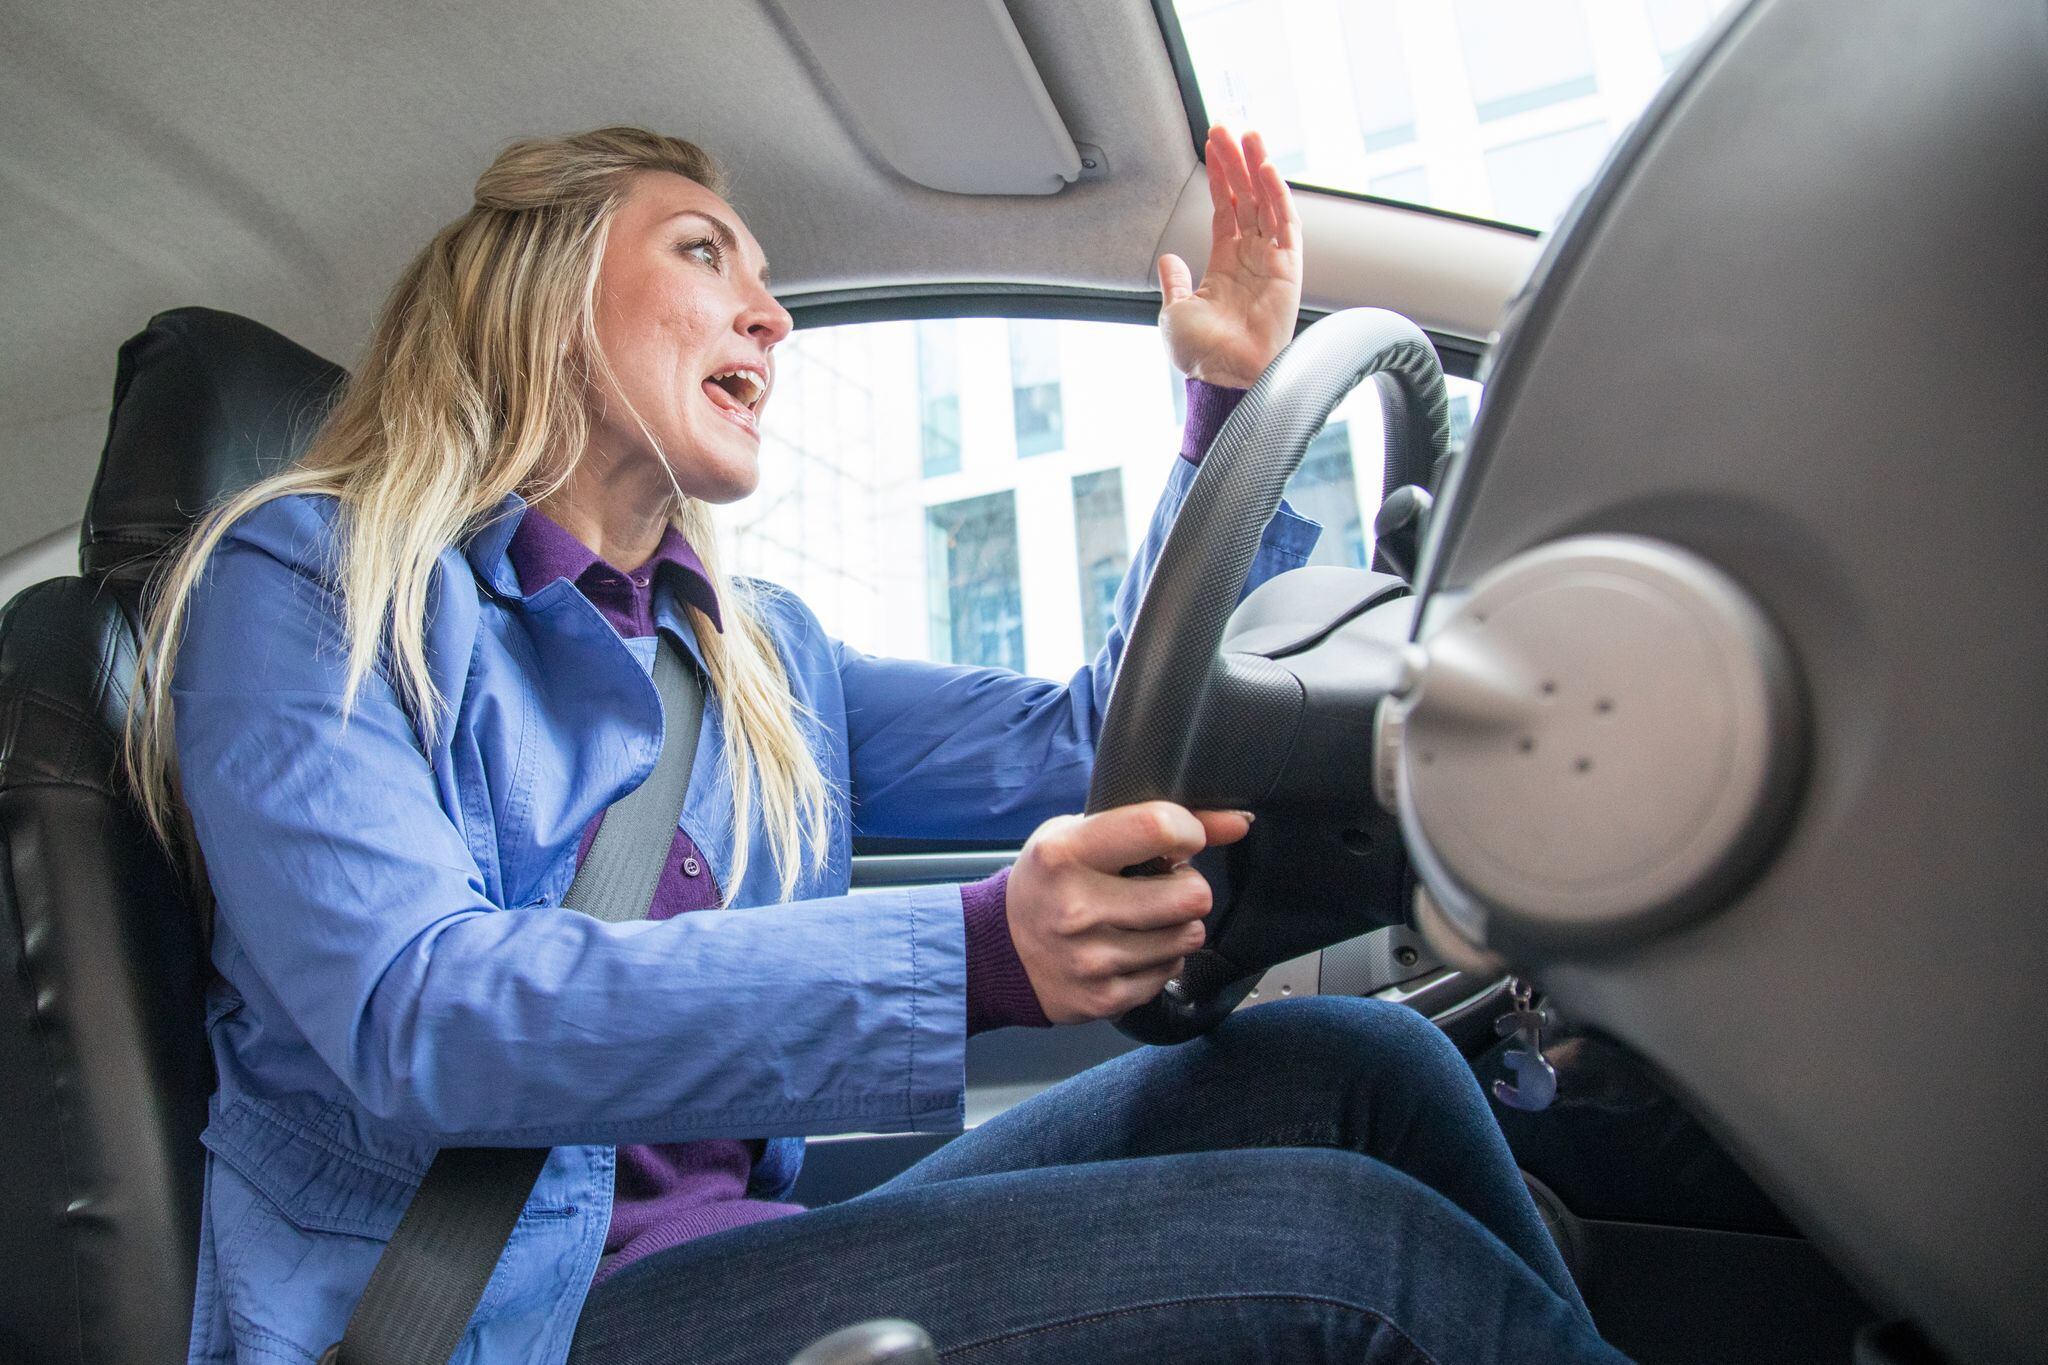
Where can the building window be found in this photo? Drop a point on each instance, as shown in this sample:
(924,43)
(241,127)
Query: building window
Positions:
(977,603)
(1461,422)
(1035,385)
(1675,23)
(1101,549)
(1524,54)
(1534,180)
(1380,89)
(1410,186)
(1326,489)
(938,389)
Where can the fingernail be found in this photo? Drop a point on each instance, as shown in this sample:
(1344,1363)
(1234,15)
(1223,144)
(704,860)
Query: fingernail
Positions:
(1249,816)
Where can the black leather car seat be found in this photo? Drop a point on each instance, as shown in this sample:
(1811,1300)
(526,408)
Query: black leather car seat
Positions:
(104,1072)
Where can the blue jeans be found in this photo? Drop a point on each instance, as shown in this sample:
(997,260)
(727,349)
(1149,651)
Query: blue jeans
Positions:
(1315,1180)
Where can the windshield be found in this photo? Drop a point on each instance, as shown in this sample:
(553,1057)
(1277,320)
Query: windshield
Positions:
(1501,109)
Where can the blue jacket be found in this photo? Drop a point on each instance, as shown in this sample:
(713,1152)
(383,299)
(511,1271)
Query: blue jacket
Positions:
(395,970)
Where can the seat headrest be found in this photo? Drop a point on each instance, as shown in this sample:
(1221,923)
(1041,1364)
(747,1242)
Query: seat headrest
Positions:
(205,403)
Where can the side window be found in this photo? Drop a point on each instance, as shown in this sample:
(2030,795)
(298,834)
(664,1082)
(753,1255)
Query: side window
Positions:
(972,489)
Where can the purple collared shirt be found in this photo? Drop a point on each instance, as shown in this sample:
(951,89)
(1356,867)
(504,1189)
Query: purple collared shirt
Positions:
(669,1193)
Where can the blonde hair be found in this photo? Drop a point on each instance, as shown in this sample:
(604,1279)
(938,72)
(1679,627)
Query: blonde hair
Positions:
(473,386)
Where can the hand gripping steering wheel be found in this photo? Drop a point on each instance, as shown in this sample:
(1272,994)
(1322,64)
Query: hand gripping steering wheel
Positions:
(1193,722)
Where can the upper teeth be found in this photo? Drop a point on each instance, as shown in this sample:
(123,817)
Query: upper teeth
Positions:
(751,386)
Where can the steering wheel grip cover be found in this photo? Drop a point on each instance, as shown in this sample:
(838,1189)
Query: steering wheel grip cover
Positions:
(1171,664)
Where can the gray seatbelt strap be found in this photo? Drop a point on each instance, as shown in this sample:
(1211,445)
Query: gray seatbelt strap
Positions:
(433,1273)
(617,879)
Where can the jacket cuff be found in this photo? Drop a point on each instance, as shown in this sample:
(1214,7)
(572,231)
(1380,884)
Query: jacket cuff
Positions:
(999,991)
(1209,407)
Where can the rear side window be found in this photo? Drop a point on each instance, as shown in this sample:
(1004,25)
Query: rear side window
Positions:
(970,489)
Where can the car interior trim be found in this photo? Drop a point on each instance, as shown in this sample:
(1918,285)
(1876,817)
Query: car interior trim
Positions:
(922,869)
(1184,76)
(1460,354)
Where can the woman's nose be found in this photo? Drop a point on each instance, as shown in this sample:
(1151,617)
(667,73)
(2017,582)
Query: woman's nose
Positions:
(766,320)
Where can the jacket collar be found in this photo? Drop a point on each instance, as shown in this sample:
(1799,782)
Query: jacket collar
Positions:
(486,546)
(489,552)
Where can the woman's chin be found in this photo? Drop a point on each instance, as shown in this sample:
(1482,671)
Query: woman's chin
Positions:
(723,482)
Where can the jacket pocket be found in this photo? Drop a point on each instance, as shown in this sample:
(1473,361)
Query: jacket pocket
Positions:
(309,1218)
(285,1292)
(315,1181)
(305,1221)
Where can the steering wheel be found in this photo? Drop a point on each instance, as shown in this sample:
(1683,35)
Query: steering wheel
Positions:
(1194,721)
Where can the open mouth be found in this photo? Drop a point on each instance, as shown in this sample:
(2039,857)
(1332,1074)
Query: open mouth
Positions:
(737,393)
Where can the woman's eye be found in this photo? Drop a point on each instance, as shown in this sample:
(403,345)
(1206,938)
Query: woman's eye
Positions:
(704,249)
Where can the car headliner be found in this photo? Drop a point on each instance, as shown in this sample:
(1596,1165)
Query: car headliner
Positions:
(282,162)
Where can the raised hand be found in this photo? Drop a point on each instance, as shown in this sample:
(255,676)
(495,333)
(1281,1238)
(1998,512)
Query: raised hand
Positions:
(1228,330)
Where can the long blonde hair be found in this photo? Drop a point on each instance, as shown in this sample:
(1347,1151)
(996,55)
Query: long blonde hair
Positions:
(473,386)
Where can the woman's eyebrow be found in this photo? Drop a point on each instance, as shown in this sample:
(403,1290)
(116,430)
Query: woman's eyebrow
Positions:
(727,238)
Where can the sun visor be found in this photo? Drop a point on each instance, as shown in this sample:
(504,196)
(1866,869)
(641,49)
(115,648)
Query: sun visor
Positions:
(943,91)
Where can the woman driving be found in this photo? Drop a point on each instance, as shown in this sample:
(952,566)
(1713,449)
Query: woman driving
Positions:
(400,689)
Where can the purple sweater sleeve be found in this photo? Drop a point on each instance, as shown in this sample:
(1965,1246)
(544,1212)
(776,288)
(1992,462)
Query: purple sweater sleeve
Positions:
(999,992)
(1209,407)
